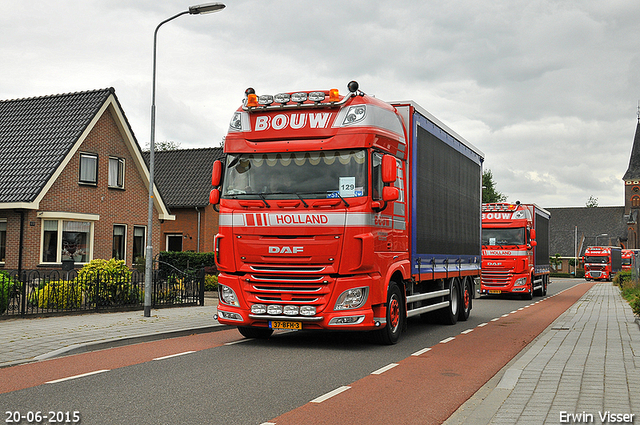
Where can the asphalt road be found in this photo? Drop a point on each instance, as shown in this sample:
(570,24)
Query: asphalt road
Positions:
(222,378)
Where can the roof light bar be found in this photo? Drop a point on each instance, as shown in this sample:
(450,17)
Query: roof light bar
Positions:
(282,98)
(298,97)
(317,96)
(265,99)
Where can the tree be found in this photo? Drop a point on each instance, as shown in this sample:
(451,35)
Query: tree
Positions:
(592,202)
(489,192)
(166,145)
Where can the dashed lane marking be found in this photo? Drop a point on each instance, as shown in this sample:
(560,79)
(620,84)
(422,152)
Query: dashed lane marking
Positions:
(68,378)
(330,394)
(384,369)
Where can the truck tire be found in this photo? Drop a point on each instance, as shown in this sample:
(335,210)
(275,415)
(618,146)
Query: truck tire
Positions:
(395,316)
(449,314)
(258,333)
(465,299)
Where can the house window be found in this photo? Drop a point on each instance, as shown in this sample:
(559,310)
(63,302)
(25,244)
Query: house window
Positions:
(174,243)
(66,240)
(88,168)
(3,240)
(119,239)
(116,172)
(635,201)
(139,233)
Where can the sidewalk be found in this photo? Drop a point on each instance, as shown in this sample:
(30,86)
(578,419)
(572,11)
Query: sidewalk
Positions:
(26,340)
(587,363)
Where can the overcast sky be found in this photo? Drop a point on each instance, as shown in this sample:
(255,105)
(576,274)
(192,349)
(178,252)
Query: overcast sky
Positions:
(548,90)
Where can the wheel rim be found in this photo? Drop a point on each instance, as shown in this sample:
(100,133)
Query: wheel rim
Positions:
(467,299)
(394,312)
(454,299)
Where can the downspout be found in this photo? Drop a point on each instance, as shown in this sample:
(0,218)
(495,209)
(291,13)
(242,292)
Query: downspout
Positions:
(198,238)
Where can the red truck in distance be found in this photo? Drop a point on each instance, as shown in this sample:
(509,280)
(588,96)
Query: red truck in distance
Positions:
(602,262)
(344,212)
(515,249)
(627,258)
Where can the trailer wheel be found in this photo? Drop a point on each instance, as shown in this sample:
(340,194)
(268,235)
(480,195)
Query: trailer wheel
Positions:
(449,315)
(395,316)
(258,333)
(465,300)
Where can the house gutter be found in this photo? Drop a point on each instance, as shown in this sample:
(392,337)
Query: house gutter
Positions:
(198,237)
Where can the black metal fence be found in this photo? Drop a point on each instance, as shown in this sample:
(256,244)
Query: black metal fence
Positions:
(34,292)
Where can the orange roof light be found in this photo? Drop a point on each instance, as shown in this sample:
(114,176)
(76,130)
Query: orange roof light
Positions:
(252,100)
(334,95)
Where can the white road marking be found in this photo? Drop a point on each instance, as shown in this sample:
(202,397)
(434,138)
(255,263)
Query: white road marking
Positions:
(384,369)
(174,355)
(78,376)
(330,394)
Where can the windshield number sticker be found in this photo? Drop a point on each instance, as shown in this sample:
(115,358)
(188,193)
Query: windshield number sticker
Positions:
(347,186)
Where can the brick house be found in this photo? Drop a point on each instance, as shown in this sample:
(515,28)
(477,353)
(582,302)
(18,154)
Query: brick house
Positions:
(183,177)
(73,183)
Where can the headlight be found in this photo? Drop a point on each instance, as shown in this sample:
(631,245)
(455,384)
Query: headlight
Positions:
(258,309)
(291,310)
(521,281)
(227,296)
(274,309)
(352,298)
(307,310)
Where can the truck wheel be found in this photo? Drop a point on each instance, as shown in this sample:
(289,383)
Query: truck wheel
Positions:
(395,316)
(465,300)
(449,315)
(259,333)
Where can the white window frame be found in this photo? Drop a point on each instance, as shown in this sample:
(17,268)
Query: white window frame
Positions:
(61,218)
(116,181)
(174,235)
(93,182)
(144,242)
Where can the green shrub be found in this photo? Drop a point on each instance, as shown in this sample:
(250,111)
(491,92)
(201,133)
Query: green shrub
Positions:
(113,280)
(210,282)
(60,294)
(623,279)
(185,261)
(7,289)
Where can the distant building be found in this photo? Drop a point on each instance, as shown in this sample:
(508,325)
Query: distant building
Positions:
(183,178)
(574,229)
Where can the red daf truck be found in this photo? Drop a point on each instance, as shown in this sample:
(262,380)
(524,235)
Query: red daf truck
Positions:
(627,255)
(344,213)
(515,249)
(602,262)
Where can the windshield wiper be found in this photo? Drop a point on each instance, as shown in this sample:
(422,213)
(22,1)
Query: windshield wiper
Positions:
(266,204)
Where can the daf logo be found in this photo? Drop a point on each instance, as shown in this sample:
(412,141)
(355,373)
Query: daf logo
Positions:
(493,264)
(285,249)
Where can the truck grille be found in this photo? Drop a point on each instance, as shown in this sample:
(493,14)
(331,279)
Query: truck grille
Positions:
(496,278)
(292,288)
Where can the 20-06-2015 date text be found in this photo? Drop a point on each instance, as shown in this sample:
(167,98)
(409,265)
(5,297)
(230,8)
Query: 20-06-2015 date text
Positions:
(42,417)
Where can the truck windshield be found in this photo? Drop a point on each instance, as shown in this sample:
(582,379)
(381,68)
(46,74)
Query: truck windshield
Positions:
(503,236)
(595,259)
(326,174)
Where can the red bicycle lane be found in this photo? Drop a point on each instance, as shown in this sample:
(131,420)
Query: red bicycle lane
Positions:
(427,388)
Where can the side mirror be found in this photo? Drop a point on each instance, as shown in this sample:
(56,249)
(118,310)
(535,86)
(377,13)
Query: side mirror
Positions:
(390,193)
(214,197)
(389,169)
(533,243)
(532,233)
(216,174)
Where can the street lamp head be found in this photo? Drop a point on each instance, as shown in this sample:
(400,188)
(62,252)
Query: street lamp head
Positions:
(201,9)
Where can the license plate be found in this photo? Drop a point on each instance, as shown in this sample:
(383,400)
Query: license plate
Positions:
(285,325)
(495,291)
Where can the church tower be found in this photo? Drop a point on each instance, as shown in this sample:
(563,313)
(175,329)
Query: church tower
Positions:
(632,191)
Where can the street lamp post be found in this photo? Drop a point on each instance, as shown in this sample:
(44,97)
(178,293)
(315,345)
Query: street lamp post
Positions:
(148,270)
(603,234)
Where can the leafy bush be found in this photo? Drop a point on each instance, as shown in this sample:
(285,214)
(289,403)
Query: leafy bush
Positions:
(8,286)
(210,282)
(60,294)
(108,282)
(186,261)
(623,279)
(630,290)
